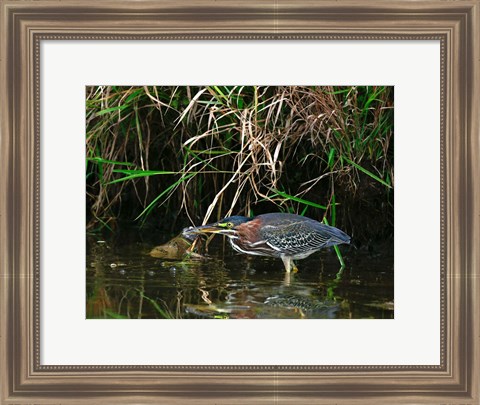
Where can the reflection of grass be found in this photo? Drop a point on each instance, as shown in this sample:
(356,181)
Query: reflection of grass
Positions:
(334,283)
(148,289)
(164,313)
(114,315)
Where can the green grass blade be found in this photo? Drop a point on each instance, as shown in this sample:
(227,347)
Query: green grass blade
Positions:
(135,175)
(337,250)
(144,172)
(300,200)
(368,173)
(168,189)
(331,156)
(112,109)
(111,162)
(339,255)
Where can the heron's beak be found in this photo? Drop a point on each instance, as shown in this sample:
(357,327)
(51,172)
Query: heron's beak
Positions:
(209,228)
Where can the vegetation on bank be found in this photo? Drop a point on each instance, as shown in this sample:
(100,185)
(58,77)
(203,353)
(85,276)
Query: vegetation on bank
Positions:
(176,156)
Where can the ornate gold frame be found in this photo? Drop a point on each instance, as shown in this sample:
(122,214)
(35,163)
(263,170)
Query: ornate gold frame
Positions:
(24,24)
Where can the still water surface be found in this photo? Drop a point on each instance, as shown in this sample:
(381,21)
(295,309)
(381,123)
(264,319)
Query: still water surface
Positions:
(123,281)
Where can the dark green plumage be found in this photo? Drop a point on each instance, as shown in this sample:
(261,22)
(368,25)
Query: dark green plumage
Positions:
(286,236)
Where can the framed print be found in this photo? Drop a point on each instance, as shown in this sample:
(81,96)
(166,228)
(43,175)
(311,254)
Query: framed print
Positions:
(94,93)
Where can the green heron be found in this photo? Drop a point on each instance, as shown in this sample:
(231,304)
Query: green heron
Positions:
(286,236)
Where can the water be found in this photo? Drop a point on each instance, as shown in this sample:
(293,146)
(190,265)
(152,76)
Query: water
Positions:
(123,281)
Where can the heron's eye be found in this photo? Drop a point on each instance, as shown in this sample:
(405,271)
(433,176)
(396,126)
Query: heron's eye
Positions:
(229,225)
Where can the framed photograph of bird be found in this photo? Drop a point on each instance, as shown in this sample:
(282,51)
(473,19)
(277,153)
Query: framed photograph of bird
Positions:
(169,168)
(295,164)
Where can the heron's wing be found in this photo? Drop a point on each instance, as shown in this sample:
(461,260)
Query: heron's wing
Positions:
(296,237)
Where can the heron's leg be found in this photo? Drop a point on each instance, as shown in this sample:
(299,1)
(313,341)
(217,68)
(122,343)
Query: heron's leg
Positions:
(287,262)
(287,279)
(294,267)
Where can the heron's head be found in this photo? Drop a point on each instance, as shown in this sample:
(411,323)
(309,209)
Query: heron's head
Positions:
(226,226)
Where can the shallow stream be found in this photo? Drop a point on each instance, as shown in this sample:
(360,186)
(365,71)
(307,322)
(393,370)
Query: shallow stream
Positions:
(123,281)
